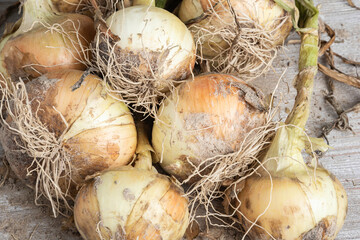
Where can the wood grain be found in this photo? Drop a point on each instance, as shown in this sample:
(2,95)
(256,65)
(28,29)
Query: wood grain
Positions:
(19,217)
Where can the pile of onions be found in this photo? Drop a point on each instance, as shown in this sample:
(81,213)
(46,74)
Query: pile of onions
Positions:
(132,203)
(286,198)
(203,118)
(238,35)
(67,132)
(142,51)
(45,41)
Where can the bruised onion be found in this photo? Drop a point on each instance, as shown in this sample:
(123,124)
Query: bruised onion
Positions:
(45,41)
(143,52)
(287,198)
(203,118)
(132,203)
(66,131)
(237,35)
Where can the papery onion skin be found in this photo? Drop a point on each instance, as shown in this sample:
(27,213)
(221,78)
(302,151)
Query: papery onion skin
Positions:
(266,13)
(299,209)
(68,6)
(129,203)
(41,45)
(101,132)
(153,35)
(208,116)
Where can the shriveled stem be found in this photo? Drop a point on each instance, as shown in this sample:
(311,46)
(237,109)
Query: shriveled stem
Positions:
(284,154)
(309,51)
(143,149)
(35,11)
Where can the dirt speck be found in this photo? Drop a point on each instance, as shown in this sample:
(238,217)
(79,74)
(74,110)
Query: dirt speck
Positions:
(128,195)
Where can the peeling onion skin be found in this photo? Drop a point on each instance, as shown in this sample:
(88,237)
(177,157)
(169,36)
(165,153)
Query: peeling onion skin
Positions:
(101,133)
(151,34)
(266,13)
(299,209)
(203,118)
(130,203)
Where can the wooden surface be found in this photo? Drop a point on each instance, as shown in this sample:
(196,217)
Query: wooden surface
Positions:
(21,219)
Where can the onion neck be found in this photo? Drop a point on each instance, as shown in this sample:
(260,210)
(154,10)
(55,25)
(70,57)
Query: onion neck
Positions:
(284,155)
(143,150)
(144,2)
(35,11)
(190,10)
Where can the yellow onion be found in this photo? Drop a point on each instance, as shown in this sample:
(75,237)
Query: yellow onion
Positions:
(153,35)
(237,36)
(287,198)
(301,203)
(45,41)
(142,52)
(95,131)
(131,203)
(266,13)
(203,118)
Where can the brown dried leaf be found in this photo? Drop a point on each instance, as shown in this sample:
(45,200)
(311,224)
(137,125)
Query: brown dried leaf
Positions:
(326,45)
(353,5)
(345,60)
(339,76)
(355,108)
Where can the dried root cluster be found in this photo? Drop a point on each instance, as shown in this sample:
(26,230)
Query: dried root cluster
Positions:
(39,153)
(142,91)
(241,38)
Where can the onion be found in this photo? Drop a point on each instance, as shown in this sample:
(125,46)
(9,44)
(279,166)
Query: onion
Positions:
(237,35)
(132,203)
(203,118)
(66,133)
(143,52)
(153,35)
(286,198)
(45,41)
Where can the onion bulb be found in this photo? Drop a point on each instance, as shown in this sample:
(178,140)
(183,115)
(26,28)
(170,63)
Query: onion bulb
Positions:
(131,203)
(203,118)
(66,132)
(45,41)
(156,40)
(288,199)
(237,35)
(142,52)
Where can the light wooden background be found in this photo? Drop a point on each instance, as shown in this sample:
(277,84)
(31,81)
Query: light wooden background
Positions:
(21,219)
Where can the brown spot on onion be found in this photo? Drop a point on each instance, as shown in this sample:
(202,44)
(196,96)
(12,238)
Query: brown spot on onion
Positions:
(325,229)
